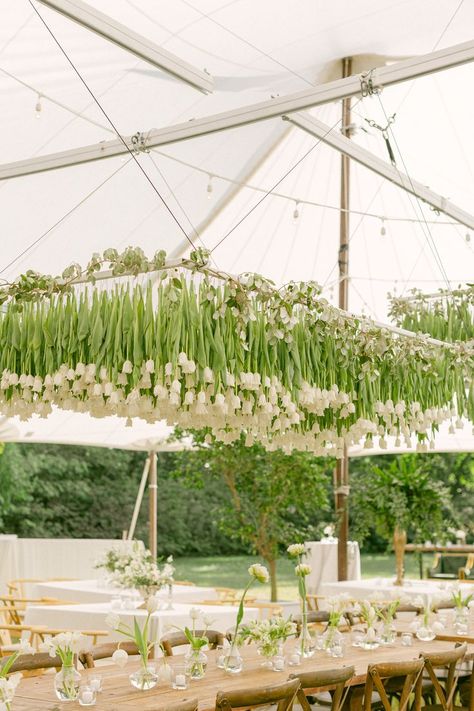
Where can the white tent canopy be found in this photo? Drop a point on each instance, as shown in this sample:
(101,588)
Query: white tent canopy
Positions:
(216,185)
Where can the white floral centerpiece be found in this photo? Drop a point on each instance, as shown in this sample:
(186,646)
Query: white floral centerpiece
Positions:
(9,682)
(66,646)
(142,575)
(338,606)
(269,635)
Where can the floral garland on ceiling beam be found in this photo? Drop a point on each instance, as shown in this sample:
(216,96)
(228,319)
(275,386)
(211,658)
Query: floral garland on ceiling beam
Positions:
(447,315)
(204,350)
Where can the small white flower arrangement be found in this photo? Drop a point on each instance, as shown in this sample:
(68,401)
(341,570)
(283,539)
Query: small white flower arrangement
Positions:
(9,682)
(66,646)
(268,634)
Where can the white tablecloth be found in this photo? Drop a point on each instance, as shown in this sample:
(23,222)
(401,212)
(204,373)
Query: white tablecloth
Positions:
(322,557)
(361,589)
(92,617)
(98,591)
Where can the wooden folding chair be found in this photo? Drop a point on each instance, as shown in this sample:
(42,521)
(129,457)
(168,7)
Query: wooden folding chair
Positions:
(442,670)
(400,679)
(336,679)
(315,618)
(281,694)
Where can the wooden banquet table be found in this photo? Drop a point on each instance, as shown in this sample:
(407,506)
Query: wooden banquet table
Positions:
(37,694)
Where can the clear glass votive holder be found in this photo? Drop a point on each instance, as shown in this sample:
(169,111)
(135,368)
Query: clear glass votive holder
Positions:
(179,680)
(407,639)
(87,696)
(356,637)
(95,682)
(220,656)
(294,659)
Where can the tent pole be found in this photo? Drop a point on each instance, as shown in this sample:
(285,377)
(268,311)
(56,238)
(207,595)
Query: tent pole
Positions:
(138,502)
(342,465)
(153,503)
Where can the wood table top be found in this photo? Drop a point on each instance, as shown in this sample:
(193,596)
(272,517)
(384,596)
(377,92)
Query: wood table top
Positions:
(447,635)
(37,693)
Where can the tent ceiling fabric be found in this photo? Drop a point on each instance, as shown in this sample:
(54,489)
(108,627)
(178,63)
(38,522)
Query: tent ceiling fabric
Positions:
(253,51)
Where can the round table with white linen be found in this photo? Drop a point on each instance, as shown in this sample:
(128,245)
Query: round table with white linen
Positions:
(384,588)
(92,617)
(99,591)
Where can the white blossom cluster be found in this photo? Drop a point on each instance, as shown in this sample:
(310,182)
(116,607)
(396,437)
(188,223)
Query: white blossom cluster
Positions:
(262,407)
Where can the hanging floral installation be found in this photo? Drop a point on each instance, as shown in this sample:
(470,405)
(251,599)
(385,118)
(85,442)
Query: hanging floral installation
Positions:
(447,315)
(202,349)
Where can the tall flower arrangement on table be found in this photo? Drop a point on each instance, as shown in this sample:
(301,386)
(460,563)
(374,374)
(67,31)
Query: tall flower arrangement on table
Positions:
(302,570)
(66,646)
(9,682)
(232,661)
(145,678)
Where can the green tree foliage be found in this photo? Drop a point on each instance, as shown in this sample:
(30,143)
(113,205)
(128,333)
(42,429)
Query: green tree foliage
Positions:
(275,498)
(89,492)
(402,494)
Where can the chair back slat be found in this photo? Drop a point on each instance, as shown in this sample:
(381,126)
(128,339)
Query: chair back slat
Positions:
(281,694)
(447,661)
(404,677)
(105,651)
(335,678)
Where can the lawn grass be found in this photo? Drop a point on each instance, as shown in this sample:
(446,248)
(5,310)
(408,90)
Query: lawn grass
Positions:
(231,572)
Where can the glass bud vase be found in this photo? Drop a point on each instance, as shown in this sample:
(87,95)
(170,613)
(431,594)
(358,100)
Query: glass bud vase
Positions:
(66,683)
(278,659)
(389,633)
(425,633)
(307,645)
(333,641)
(233,662)
(195,663)
(369,640)
(144,678)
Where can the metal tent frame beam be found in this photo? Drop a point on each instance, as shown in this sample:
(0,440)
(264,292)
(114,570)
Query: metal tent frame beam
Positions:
(245,115)
(348,148)
(113,31)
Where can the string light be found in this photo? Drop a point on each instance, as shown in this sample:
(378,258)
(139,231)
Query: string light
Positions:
(468,237)
(210,187)
(296,211)
(383,231)
(38,107)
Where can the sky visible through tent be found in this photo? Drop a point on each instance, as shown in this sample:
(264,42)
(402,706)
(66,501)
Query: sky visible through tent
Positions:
(217,185)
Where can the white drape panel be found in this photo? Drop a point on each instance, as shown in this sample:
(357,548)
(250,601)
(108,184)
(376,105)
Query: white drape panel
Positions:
(50,557)
(322,557)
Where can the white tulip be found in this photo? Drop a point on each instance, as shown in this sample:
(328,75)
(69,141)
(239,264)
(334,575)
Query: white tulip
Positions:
(120,657)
